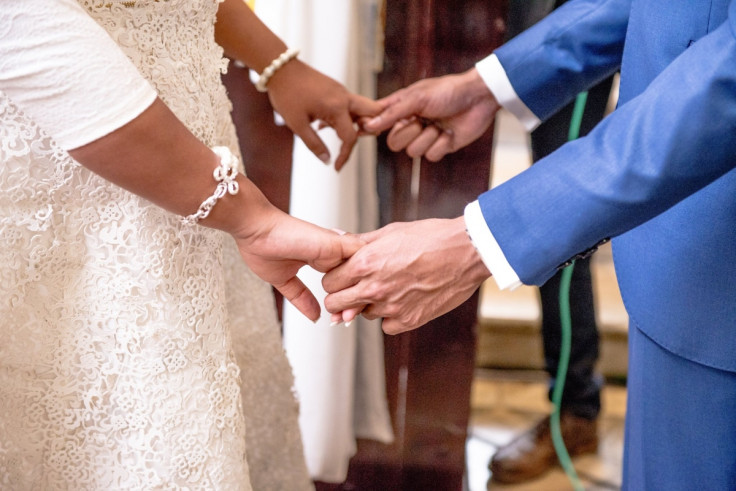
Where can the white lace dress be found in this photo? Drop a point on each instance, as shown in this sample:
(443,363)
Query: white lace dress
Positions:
(135,353)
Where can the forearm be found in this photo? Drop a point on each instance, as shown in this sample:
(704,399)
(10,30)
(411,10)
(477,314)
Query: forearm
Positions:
(244,37)
(569,51)
(652,152)
(156,157)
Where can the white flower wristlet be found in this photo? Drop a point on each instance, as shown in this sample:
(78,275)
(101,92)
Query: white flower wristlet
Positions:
(225,176)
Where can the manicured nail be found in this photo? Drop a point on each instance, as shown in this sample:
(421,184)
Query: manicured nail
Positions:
(374,122)
(334,323)
(347,324)
(325,157)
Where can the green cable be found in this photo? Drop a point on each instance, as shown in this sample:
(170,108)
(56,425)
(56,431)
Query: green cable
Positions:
(577,116)
(566,322)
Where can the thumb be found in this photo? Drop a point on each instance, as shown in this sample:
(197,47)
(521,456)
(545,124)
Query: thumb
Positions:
(341,248)
(351,243)
(360,106)
(392,326)
(395,108)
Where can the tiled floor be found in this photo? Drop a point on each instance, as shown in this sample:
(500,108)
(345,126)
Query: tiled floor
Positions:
(505,403)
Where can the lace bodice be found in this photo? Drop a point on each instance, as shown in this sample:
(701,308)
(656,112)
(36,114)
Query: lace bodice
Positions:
(135,351)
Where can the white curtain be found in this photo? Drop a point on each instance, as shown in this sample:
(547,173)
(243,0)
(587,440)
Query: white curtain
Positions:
(339,371)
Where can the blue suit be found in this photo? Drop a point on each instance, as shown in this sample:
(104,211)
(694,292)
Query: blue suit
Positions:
(659,176)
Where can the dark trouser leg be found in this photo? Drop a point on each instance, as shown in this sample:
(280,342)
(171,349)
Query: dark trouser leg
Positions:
(581,394)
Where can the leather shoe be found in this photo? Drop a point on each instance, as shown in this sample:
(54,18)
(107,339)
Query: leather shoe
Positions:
(532,453)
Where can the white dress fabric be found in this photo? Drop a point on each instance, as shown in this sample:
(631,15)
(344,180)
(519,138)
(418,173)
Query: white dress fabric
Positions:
(339,370)
(135,352)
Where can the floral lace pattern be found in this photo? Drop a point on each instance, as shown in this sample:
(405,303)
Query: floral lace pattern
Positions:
(134,351)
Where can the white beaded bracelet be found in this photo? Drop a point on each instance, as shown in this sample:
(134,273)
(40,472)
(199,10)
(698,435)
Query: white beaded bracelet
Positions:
(268,72)
(225,176)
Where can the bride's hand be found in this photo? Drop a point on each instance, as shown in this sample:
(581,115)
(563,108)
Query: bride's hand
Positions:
(281,245)
(302,95)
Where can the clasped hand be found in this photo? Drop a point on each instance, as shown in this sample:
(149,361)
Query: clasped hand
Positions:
(410,273)
(406,273)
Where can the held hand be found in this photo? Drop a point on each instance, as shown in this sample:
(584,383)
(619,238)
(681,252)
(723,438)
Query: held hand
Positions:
(436,116)
(283,244)
(408,273)
(303,95)
(299,93)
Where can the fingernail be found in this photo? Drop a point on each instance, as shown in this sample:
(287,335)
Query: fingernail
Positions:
(325,157)
(338,231)
(347,324)
(374,122)
(334,323)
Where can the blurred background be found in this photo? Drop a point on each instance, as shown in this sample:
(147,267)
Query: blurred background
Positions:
(423,410)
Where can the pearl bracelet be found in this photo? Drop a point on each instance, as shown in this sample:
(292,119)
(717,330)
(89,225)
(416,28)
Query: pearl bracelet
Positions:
(268,72)
(225,176)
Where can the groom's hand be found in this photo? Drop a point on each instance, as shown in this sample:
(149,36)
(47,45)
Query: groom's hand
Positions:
(436,116)
(407,273)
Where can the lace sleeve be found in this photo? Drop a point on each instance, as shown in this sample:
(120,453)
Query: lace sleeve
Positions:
(65,72)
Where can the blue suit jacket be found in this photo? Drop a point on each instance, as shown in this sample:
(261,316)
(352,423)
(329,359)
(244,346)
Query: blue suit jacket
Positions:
(657,175)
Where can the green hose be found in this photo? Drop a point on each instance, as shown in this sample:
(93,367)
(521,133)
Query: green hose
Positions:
(566,321)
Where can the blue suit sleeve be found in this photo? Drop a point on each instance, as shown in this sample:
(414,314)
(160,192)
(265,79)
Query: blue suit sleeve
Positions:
(662,146)
(572,49)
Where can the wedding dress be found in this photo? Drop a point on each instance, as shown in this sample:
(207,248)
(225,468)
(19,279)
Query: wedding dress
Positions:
(135,353)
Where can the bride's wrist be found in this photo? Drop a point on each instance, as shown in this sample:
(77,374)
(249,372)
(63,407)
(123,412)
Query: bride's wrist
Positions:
(289,76)
(255,217)
(245,215)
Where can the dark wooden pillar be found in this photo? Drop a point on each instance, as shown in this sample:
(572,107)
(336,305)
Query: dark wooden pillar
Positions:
(429,371)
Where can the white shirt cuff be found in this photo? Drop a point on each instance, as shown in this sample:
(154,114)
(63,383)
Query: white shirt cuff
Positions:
(493,74)
(488,249)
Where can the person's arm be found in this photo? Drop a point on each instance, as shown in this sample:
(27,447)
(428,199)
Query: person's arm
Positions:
(300,94)
(652,152)
(66,74)
(570,50)
(533,76)
(156,157)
